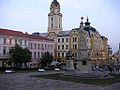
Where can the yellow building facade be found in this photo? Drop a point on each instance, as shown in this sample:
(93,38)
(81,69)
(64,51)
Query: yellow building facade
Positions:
(70,41)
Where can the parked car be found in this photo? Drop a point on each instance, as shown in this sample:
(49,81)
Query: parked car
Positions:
(9,71)
(41,70)
(57,69)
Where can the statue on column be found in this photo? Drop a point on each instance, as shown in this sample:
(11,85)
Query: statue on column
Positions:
(69,55)
(69,61)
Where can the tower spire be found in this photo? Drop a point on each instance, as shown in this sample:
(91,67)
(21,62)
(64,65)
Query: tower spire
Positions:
(87,19)
(87,23)
(81,23)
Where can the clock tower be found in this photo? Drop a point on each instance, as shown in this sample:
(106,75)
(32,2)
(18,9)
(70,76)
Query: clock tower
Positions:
(54,19)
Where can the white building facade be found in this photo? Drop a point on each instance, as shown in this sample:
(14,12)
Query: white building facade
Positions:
(62,46)
(8,39)
(37,45)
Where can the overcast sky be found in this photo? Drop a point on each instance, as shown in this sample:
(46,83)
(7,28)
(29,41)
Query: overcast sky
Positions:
(32,16)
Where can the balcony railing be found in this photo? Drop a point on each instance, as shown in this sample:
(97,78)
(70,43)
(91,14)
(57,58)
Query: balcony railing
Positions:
(4,56)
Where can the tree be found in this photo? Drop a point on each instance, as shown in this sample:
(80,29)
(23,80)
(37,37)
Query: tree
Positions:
(26,56)
(16,54)
(19,55)
(46,59)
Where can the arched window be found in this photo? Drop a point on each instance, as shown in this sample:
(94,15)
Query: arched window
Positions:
(52,19)
(51,25)
(84,62)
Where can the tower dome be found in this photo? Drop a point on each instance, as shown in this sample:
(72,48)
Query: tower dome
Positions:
(55,7)
(55,4)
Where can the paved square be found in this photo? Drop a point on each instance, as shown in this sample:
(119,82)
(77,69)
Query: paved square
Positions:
(23,81)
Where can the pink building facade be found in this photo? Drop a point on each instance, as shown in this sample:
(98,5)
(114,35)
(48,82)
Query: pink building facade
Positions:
(38,45)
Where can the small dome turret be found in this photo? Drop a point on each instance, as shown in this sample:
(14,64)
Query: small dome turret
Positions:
(55,7)
(87,23)
(55,4)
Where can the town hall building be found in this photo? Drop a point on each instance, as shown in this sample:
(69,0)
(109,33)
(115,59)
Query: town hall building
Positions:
(69,40)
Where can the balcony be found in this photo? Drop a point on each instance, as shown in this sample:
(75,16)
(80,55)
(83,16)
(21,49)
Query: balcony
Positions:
(4,56)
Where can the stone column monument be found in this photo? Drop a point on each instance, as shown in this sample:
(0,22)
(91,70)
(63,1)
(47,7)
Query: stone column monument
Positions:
(84,61)
(84,64)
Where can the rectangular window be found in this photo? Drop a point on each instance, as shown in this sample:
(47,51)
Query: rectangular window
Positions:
(35,46)
(25,42)
(58,54)
(59,22)
(66,46)
(75,39)
(38,46)
(45,46)
(58,39)
(51,25)
(75,46)
(10,41)
(34,54)
(62,39)
(66,39)
(38,54)
(62,47)
(31,45)
(52,19)
(42,47)
(62,54)
(4,41)
(4,50)
(58,47)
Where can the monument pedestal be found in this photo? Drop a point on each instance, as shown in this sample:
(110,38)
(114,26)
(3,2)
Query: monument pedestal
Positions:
(84,66)
(69,65)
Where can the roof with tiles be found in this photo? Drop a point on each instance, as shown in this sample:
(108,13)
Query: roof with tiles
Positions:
(21,34)
(37,37)
(11,33)
(43,34)
(90,29)
(64,33)
(76,29)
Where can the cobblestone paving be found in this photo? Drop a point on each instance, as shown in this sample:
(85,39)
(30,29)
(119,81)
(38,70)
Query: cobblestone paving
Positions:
(22,81)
